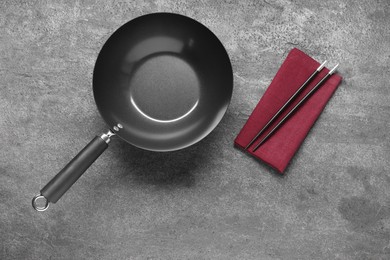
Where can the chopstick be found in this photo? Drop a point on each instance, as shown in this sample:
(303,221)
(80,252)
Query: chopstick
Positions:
(287,103)
(296,106)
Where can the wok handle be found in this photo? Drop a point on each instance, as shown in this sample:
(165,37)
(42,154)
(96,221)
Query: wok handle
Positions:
(53,190)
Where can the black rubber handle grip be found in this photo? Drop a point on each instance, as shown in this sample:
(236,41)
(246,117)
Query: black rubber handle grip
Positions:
(73,170)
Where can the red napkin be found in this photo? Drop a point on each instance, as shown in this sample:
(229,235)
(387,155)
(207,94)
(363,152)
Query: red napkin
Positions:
(279,149)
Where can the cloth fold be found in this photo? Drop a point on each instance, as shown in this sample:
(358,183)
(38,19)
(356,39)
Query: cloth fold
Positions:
(280,148)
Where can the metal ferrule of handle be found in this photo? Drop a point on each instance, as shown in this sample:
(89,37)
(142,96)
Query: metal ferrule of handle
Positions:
(107,136)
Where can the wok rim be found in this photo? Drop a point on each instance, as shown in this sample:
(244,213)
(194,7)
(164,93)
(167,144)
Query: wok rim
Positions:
(229,87)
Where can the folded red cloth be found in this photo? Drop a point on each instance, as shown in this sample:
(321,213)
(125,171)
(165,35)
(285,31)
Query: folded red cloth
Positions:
(279,149)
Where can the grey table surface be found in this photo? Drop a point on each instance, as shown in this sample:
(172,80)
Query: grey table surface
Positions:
(210,201)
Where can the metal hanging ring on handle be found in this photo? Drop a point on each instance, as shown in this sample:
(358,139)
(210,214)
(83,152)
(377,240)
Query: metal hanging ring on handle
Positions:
(35,204)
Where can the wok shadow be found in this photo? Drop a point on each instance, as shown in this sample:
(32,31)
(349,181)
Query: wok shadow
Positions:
(174,169)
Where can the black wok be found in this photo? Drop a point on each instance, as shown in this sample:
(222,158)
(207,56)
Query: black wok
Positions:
(161,82)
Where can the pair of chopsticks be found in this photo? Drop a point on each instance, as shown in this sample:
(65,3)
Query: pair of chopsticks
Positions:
(312,76)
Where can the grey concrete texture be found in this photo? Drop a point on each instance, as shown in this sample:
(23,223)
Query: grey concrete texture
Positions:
(210,201)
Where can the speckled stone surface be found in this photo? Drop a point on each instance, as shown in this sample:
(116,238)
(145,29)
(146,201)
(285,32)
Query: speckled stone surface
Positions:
(210,201)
